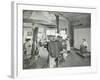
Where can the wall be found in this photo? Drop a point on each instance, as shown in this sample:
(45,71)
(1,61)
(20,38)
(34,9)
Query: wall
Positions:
(82,33)
(25,34)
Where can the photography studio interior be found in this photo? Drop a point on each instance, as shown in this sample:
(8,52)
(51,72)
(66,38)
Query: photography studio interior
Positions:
(53,39)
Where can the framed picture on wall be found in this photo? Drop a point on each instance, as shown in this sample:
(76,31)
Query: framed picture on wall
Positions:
(29,33)
(52,40)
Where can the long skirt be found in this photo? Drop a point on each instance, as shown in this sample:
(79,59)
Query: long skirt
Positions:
(83,49)
(52,62)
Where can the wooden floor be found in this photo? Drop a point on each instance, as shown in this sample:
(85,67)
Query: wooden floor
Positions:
(72,60)
(75,60)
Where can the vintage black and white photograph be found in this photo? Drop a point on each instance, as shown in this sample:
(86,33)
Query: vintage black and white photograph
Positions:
(55,39)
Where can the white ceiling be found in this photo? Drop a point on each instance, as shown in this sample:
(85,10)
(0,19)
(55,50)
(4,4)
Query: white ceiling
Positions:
(48,18)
